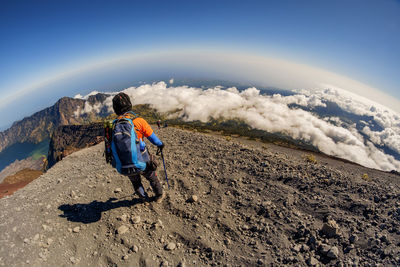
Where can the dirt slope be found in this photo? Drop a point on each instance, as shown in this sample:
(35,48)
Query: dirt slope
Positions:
(19,165)
(14,182)
(257,205)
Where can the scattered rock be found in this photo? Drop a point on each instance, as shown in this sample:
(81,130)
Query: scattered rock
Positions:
(122,229)
(353,238)
(123,217)
(268,217)
(330,228)
(135,219)
(170,246)
(312,261)
(73,260)
(117,190)
(333,253)
(193,199)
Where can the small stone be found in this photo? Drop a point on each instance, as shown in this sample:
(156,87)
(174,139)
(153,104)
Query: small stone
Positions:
(76,229)
(36,237)
(312,261)
(122,229)
(182,264)
(297,248)
(304,248)
(135,248)
(330,228)
(14,229)
(207,226)
(123,217)
(333,253)
(135,219)
(324,248)
(349,248)
(26,240)
(125,257)
(353,238)
(49,241)
(117,190)
(194,198)
(170,246)
(46,227)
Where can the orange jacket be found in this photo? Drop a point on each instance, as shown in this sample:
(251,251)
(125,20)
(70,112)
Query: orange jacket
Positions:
(142,128)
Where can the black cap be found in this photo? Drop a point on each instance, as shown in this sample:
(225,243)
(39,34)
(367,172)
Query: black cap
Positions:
(121,103)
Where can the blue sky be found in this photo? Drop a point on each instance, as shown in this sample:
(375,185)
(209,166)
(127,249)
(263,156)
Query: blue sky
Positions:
(41,39)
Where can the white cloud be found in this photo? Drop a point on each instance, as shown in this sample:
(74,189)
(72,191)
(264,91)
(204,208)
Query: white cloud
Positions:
(272,114)
(88,108)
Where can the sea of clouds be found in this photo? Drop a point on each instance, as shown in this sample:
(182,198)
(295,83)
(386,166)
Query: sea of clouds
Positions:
(292,115)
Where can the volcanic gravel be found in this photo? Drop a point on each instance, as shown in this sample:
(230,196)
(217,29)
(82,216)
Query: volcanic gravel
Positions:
(231,202)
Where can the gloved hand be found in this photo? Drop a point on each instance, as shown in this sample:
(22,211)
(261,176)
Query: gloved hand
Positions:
(161,147)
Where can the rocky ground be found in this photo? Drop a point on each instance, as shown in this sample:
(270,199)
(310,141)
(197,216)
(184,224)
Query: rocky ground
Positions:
(232,202)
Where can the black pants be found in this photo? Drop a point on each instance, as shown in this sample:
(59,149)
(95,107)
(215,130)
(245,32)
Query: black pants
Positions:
(151,176)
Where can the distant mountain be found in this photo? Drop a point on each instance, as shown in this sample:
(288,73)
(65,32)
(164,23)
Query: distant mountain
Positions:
(40,125)
(36,130)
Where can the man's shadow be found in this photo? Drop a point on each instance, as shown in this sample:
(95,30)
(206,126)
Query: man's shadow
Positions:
(91,212)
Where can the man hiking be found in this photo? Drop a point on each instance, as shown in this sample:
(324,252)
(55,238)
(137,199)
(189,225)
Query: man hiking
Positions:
(138,162)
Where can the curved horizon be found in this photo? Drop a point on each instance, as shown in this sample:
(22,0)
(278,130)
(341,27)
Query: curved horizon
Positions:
(230,65)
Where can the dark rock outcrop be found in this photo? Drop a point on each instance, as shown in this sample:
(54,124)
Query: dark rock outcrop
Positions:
(67,139)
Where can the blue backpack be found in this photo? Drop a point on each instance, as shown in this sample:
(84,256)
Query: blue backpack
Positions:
(127,156)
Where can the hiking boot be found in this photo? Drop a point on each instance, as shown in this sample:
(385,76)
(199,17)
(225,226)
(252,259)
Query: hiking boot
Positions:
(143,196)
(160,198)
(145,200)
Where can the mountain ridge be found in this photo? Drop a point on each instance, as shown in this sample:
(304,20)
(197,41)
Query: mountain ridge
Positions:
(40,125)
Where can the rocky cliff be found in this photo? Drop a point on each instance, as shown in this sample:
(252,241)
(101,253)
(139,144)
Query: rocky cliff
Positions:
(40,125)
(67,139)
(232,202)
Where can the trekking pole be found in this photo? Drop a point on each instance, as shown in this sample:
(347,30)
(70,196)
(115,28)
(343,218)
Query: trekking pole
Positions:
(159,151)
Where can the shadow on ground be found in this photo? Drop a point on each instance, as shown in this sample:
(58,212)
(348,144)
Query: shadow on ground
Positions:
(91,212)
